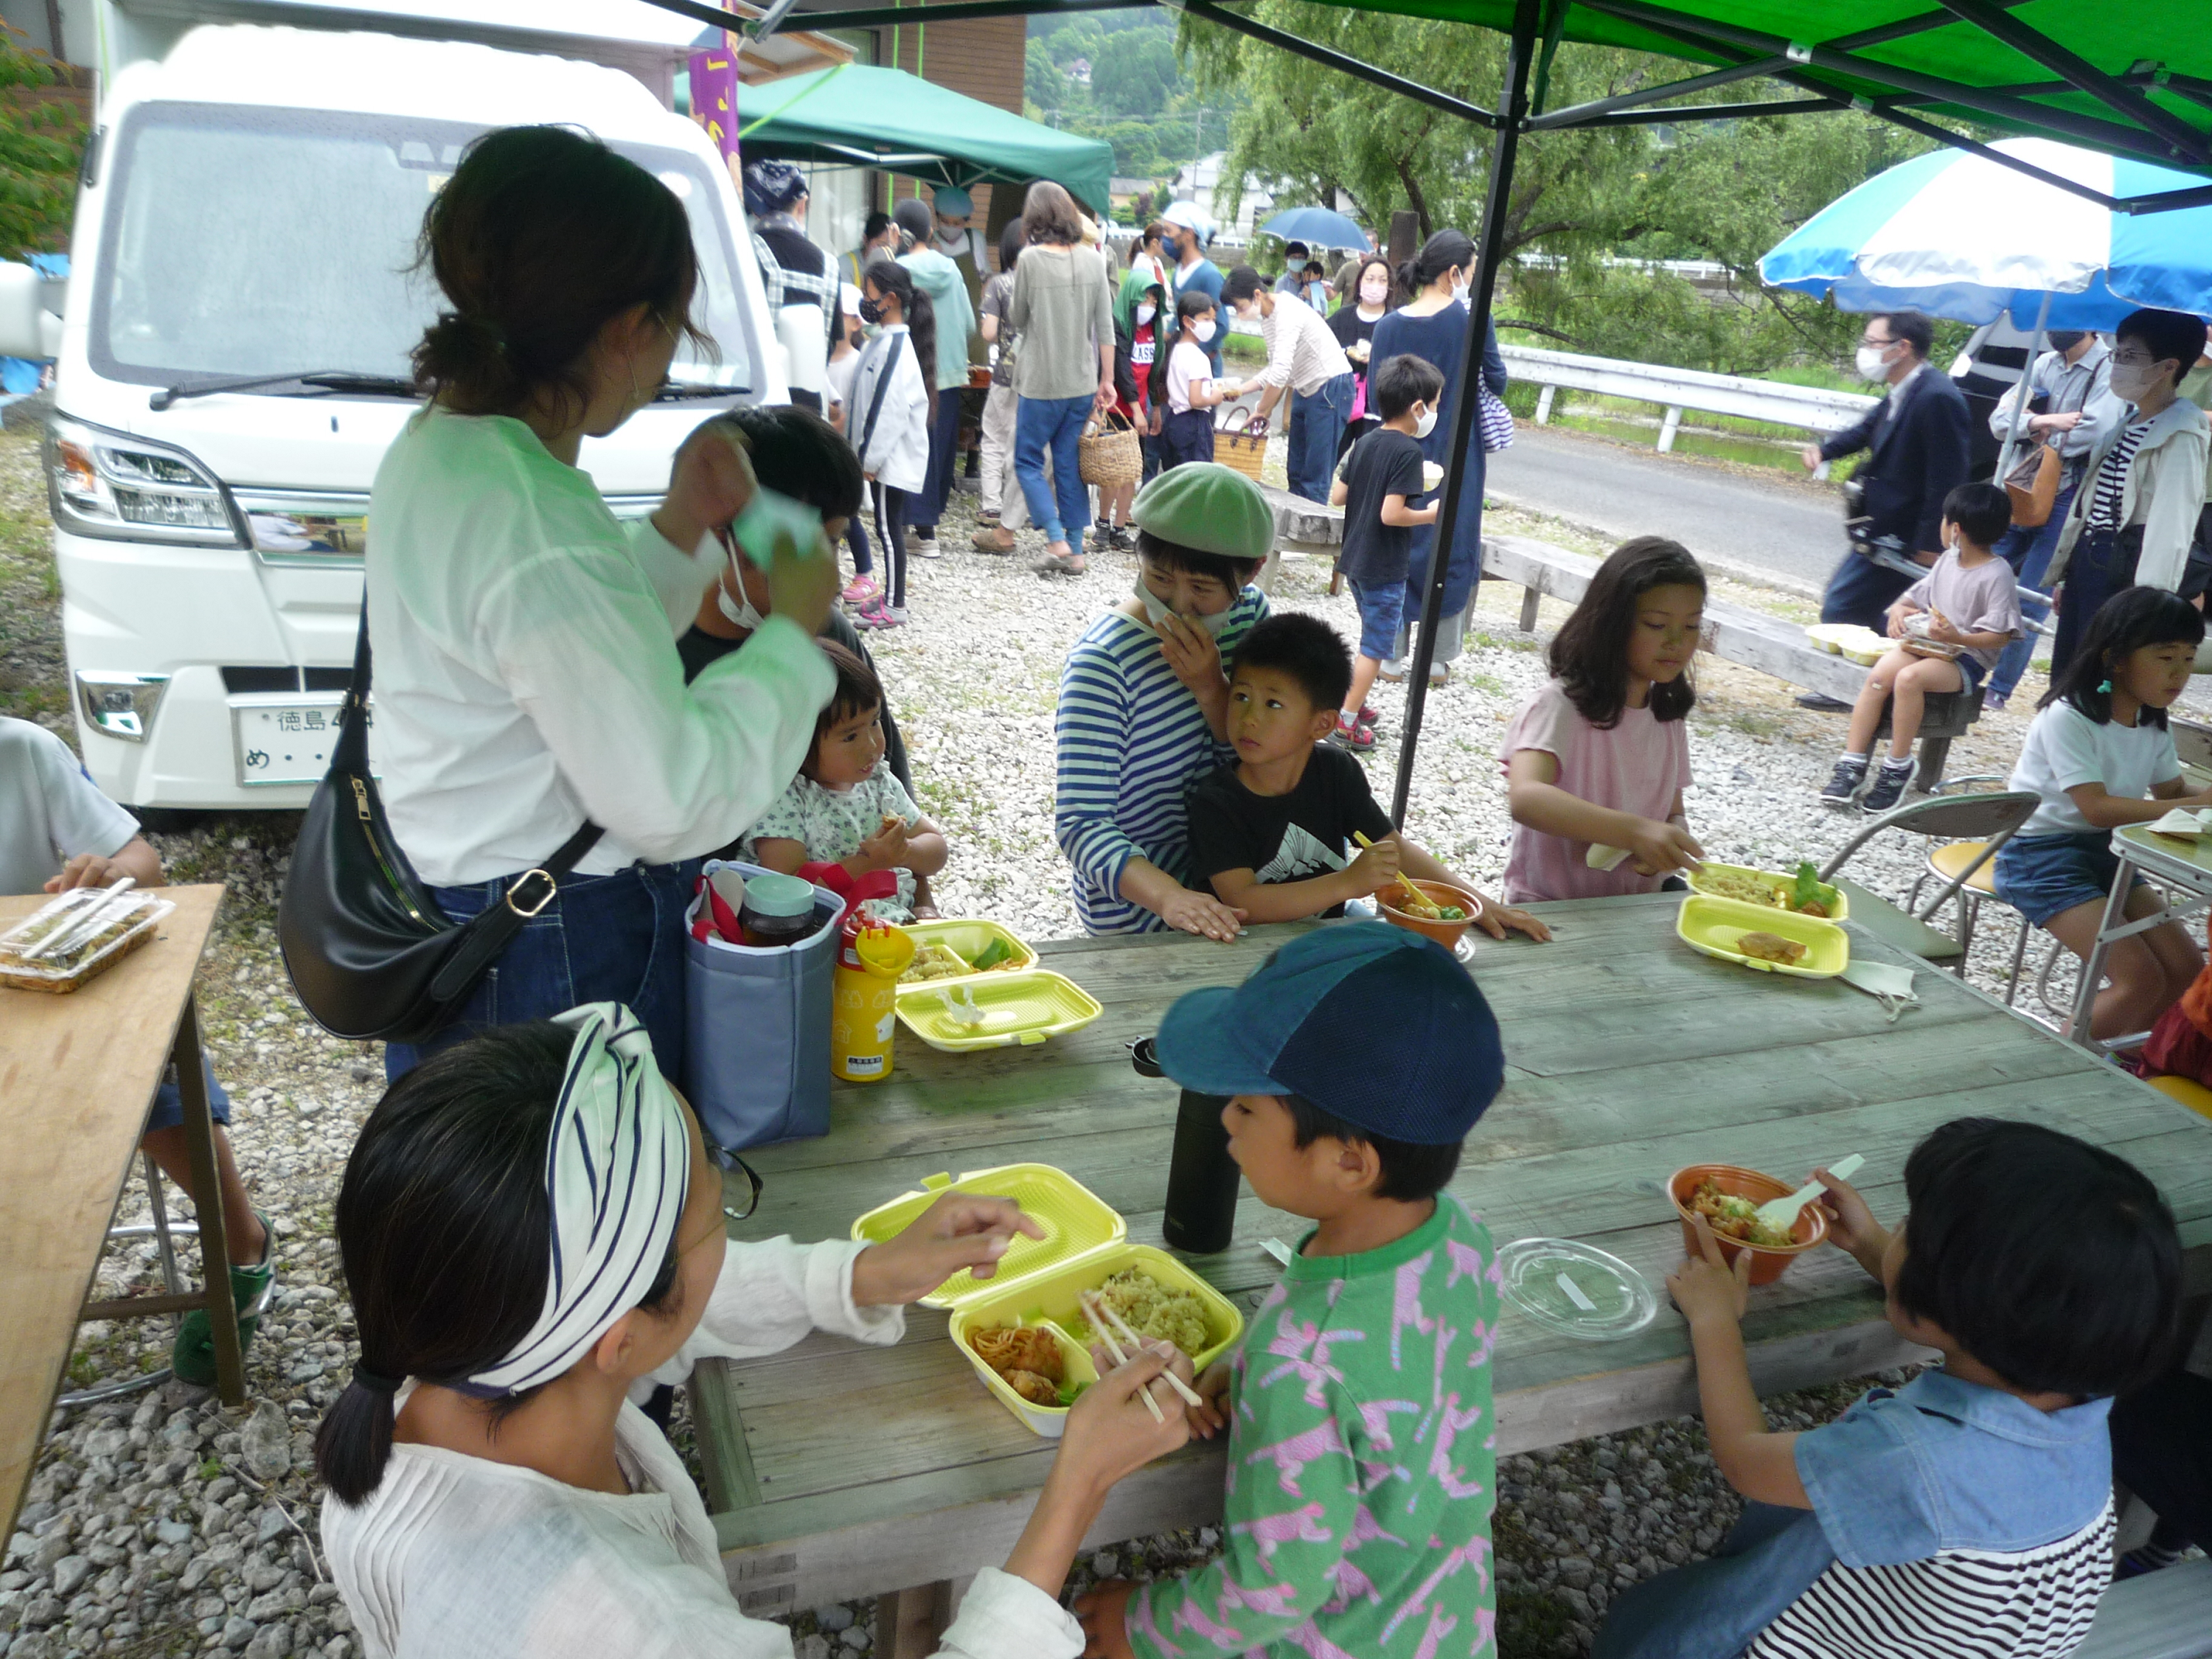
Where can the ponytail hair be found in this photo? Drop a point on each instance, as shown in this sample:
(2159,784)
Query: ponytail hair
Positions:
(446,1235)
(1589,654)
(540,238)
(1446,250)
(893,278)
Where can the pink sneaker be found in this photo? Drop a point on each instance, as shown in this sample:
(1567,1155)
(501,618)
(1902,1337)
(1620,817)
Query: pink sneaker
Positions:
(861,590)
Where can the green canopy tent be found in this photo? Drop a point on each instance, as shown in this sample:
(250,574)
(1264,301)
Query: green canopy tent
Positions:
(856,116)
(2133,77)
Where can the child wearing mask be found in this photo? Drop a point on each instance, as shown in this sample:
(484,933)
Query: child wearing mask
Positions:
(1194,392)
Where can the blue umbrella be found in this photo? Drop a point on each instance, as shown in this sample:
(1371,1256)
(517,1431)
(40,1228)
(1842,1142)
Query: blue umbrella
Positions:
(1955,235)
(1323,227)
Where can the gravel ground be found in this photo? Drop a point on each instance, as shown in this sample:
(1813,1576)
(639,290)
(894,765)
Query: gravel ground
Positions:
(163,1524)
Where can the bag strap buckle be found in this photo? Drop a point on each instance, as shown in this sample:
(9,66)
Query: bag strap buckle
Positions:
(552,887)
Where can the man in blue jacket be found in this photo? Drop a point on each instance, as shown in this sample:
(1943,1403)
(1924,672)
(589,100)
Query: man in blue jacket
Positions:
(1916,440)
(1192,231)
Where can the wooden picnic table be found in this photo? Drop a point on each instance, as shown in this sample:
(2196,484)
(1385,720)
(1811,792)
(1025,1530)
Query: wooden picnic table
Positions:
(836,1471)
(78,1073)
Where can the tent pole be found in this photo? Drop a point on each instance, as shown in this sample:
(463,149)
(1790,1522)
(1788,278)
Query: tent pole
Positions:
(1464,467)
(2019,406)
(1331,58)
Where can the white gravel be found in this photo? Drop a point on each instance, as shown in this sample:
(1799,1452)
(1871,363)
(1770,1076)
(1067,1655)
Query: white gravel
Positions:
(165,1525)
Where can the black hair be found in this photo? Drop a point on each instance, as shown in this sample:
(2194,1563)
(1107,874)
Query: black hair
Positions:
(2132,619)
(1982,511)
(2164,334)
(1399,382)
(1313,268)
(1308,649)
(1050,213)
(1293,250)
(444,1231)
(1447,249)
(797,453)
(1910,326)
(1241,284)
(893,278)
(1589,654)
(915,218)
(1411,1172)
(541,238)
(874,225)
(858,689)
(2053,1262)
(1195,302)
(1011,241)
(1231,574)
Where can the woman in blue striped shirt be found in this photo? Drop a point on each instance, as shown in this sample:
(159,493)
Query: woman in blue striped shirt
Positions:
(1144,704)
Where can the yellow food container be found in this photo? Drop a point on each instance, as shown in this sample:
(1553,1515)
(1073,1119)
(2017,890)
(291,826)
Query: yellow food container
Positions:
(1773,878)
(1714,924)
(1039,1279)
(968,940)
(995,1010)
(1849,640)
(863,1001)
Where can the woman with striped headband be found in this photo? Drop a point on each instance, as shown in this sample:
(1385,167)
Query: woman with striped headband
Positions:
(532,1234)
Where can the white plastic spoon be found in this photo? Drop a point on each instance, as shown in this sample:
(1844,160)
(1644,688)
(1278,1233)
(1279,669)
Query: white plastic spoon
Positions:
(1781,1213)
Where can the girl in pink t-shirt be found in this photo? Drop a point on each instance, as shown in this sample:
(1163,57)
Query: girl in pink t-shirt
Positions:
(1599,758)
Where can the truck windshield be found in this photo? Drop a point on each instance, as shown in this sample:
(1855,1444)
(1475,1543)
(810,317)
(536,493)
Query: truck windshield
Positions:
(242,241)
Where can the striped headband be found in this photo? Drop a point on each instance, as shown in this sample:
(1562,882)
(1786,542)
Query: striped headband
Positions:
(616,1165)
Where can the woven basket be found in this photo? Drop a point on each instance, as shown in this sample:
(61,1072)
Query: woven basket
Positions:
(1241,444)
(1108,454)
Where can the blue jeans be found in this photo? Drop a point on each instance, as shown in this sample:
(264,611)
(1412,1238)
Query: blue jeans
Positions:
(603,938)
(923,510)
(1860,591)
(2028,552)
(2102,564)
(168,1110)
(1712,1609)
(1061,508)
(1317,421)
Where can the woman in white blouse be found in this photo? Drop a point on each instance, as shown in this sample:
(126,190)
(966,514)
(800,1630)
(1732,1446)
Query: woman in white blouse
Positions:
(526,673)
(532,1235)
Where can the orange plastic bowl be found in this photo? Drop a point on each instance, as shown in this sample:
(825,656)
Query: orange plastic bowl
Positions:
(1446,933)
(1768,1262)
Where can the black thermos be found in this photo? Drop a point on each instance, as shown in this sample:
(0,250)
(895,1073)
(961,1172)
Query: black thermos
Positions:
(1202,1208)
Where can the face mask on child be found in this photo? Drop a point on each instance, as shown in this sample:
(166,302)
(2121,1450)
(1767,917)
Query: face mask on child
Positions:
(1424,423)
(1158,612)
(1145,313)
(1203,330)
(870,312)
(740,610)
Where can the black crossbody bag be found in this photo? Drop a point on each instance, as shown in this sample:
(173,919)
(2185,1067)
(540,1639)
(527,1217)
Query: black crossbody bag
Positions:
(370,953)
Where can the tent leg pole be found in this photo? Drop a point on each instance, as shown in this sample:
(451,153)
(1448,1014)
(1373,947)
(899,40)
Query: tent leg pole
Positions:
(1464,483)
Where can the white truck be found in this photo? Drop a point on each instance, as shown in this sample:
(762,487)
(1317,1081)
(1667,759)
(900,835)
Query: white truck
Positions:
(232,360)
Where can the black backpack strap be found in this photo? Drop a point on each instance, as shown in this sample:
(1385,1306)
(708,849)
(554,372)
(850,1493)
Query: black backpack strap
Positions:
(876,403)
(350,753)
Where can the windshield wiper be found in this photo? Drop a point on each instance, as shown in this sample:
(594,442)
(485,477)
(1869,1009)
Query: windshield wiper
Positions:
(679,390)
(327,380)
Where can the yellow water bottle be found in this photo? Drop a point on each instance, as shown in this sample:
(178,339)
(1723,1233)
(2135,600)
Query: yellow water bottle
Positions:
(863,1000)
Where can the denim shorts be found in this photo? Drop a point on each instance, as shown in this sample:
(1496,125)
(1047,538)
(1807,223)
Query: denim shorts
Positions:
(2044,876)
(1381,608)
(169,1101)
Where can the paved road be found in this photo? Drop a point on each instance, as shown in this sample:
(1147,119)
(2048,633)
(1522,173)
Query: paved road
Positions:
(1792,529)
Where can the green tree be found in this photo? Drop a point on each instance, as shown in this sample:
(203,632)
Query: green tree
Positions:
(1135,72)
(1042,82)
(41,145)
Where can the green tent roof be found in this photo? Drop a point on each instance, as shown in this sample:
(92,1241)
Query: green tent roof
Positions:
(883,117)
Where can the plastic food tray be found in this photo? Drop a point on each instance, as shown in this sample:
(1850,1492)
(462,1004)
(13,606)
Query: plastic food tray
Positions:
(1713,926)
(1776,877)
(1848,639)
(143,912)
(1608,1299)
(1038,1280)
(1023,1008)
(968,940)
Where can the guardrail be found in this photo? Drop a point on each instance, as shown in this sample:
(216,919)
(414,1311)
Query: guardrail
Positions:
(1808,407)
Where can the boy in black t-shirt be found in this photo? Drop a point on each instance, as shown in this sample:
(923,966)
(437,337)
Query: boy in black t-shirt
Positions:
(1380,478)
(1273,833)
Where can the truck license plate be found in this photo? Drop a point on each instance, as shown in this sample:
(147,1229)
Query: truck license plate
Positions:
(285,741)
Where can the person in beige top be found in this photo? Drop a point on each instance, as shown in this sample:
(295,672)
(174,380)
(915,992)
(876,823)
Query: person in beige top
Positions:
(1063,310)
(1303,355)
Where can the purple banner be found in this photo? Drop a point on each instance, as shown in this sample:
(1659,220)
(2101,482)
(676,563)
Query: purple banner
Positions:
(714,98)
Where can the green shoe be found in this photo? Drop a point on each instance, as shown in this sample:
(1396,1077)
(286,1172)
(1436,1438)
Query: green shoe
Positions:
(192,1359)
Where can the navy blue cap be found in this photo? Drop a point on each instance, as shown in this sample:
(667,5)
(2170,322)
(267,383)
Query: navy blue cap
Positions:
(1375,1025)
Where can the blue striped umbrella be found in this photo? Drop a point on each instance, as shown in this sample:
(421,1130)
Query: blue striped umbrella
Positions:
(1956,235)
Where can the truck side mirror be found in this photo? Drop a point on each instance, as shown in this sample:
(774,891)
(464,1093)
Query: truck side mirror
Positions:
(20,333)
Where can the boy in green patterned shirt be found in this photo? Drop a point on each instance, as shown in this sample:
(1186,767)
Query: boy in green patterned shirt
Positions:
(1361,1452)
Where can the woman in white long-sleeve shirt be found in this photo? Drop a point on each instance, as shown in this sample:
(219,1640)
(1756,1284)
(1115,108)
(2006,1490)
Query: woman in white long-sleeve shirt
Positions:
(531,1234)
(526,674)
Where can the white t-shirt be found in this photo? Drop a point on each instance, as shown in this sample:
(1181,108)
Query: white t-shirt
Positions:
(50,811)
(453,1554)
(1187,362)
(832,824)
(2066,749)
(526,673)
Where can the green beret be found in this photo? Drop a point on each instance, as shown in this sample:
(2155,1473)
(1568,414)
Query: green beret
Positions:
(1209,508)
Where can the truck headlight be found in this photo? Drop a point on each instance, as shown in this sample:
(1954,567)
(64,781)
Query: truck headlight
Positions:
(121,705)
(103,483)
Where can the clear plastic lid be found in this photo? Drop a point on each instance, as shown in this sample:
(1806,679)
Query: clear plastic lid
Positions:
(772,895)
(1575,1290)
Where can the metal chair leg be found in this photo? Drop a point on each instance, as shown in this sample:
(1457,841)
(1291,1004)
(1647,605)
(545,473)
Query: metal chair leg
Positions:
(2019,956)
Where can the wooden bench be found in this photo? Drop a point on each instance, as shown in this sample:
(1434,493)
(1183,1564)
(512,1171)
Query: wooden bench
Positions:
(2160,1615)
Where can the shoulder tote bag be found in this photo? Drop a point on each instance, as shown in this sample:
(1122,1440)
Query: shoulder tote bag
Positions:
(369,952)
(2032,486)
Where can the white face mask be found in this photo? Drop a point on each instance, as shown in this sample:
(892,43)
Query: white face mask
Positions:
(1145,313)
(1459,286)
(740,610)
(1872,362)
(1374,293)
(952,241)
(2131,385)
(1202,330)
(1156,612)
(1424,423)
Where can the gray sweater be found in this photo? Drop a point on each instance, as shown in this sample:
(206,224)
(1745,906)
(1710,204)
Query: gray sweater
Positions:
(1063,309)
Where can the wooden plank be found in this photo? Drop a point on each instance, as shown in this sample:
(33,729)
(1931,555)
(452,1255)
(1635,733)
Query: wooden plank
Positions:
(78,1074)
(723,1456)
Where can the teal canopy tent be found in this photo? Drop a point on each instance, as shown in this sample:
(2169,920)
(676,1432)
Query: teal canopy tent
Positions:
(856,116)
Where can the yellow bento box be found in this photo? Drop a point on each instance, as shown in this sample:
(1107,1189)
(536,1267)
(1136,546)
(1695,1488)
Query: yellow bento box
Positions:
(968,940)
(1713,926)
(1703,880)
(1039,1279)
